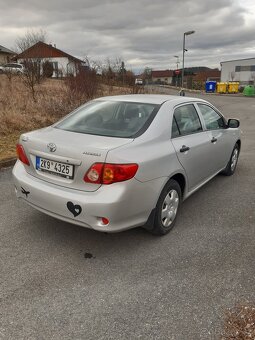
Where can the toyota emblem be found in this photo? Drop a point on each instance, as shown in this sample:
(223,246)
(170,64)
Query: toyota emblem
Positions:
(52,147)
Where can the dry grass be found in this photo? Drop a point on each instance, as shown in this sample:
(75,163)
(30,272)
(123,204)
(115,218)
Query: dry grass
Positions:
(20,113)
(18,110)
(240,323)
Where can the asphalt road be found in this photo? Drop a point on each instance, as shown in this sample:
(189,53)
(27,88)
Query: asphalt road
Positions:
(135,285)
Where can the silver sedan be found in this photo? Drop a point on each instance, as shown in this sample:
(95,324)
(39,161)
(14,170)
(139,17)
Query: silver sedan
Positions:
(125,161)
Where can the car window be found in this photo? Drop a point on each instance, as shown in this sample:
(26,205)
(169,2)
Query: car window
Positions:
(187,119)
(213,120)
(175,130)
(110,118)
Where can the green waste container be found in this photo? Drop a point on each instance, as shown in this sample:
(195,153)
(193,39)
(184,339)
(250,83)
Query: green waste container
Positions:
(221,87)
(249,91)
(233,87)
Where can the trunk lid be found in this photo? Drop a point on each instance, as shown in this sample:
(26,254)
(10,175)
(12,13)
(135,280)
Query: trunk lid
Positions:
(75,149)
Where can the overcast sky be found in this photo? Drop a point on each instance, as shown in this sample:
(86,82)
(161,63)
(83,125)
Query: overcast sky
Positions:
(141,32)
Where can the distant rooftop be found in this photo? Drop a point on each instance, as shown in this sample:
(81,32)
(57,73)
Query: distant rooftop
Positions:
(228,61)
(5,50)
(162,73)
(43,50)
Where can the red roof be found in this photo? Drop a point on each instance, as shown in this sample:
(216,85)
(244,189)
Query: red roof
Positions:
(43,50)
(162,74)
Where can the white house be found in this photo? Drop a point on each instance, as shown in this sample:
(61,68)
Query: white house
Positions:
(5,55)
(162,76)
(62,63)
(242,70)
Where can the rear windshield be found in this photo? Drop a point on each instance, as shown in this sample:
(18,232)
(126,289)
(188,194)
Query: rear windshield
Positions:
(110,118)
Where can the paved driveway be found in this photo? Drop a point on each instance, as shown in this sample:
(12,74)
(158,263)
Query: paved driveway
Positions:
(135,285)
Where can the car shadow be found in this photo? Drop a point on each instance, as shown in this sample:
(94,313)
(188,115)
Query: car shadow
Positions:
(201,207)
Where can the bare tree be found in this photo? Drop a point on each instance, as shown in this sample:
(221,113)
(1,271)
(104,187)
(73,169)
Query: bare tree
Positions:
(34,71)
(9,74)
(30,77)
(147,75)
(30,38)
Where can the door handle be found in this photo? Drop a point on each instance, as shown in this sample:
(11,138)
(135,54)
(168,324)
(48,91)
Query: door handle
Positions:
(213,140)
(184,148)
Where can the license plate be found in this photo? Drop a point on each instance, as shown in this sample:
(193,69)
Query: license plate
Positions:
(56,168)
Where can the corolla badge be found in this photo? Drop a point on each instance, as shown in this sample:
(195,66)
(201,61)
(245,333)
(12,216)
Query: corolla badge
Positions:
(52,147)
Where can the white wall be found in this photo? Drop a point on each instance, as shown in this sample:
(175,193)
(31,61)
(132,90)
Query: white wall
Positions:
(244,77)
(167,80)
(65,66)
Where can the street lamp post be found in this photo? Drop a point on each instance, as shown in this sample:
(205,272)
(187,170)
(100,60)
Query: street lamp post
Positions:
(177,67)
(183,51)
(177,61)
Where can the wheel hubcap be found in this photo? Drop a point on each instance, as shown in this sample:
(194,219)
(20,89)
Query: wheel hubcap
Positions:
(234,159)
(169,208)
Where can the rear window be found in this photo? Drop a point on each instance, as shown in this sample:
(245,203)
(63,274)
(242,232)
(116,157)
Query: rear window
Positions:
(110,118)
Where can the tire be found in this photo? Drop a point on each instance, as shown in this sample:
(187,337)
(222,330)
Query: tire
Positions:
(167,208)
(231,166)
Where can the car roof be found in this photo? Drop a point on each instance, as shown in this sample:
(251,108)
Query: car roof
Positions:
(150,98)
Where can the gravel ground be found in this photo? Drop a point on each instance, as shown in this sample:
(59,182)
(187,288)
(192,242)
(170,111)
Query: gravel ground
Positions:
(133,285)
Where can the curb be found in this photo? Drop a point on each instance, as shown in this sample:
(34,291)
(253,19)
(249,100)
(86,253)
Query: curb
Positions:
(7,163)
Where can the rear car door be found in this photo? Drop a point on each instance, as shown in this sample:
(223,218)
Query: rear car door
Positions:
(192,144)
(221,141)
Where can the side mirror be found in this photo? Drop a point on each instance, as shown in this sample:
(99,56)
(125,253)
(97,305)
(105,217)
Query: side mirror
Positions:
(233,123)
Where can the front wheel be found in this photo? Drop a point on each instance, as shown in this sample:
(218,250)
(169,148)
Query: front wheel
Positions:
(231,166)
(167,208)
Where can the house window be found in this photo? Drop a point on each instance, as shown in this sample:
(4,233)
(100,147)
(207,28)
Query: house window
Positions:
(245,68)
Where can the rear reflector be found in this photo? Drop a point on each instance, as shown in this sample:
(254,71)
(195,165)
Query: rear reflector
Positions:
(106,173)
(105,220)
(21,154)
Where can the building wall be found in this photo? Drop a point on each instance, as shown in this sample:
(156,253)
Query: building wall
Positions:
(62,66)
(242,71)
(166,80)
(4,58)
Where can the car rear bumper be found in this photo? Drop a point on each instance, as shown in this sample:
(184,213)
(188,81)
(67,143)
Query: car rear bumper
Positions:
(125,204)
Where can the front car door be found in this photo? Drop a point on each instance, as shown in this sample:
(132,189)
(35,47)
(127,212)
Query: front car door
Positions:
(192,144)
(221,141)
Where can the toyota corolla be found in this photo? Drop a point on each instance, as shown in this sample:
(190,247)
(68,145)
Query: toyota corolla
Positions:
(125,161)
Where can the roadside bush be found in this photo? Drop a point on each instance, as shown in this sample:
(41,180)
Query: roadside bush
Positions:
(19,112)
(198,85)
(84,86)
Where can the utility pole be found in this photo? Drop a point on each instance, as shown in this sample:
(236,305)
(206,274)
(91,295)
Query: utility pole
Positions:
(183,51)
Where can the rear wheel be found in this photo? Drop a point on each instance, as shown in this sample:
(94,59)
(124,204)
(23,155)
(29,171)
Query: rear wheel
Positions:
(167,208)
(231,166)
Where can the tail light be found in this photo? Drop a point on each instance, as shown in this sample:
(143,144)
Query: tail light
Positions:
(21,154)
(106,173)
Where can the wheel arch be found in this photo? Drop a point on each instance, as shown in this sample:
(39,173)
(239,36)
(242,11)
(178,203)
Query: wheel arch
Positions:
(182,181)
